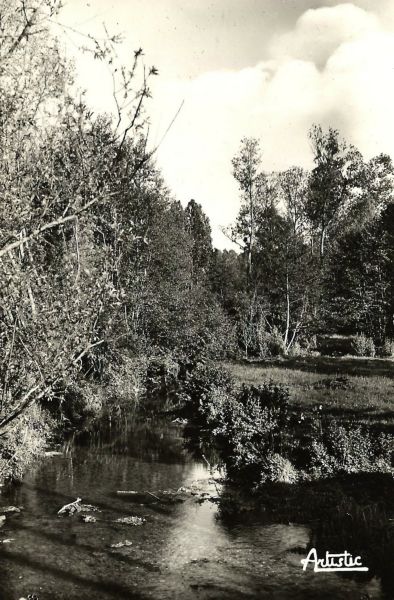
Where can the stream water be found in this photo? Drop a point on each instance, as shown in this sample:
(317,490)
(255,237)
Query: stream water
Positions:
(182,550)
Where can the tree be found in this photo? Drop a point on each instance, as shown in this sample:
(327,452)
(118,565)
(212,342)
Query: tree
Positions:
(59,171)
(337,166)
(200,231)
(255,193)
(293,190)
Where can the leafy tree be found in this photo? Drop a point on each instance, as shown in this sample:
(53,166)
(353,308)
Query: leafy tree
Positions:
(256,194)
(358,280)
(200,231)
(332,180)
(293,191)
(61,293)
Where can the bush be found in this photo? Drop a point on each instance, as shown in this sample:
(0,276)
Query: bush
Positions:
(350,450)
(247,423)
(24,442)
(387,350)
(297,350)
(363,346)
(277,469)
(275,344)
(261,439)
(202,384)
(334,345)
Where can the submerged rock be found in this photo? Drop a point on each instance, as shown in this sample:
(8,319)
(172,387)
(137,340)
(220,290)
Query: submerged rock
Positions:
(88,519)
(89,508)
(77,507)
(131,520)
(10,509)
(2,520)
(70,509)
(122,544)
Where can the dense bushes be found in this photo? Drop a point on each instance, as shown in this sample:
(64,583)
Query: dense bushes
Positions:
(24,442)
(261,437)
(350,450)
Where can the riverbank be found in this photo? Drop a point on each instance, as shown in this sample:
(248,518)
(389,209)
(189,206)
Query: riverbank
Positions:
(349,388)
(185,548)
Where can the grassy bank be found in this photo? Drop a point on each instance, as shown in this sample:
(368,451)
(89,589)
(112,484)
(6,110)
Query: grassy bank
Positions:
(348,388)
(271,423)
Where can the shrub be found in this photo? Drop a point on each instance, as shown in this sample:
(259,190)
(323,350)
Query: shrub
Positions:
(387,350)
(201,385)
(350,450)
(160,376)
(24,442)
(334,345)
(363,346)
(297,350)
(277,469)
(247,423)
(275,344)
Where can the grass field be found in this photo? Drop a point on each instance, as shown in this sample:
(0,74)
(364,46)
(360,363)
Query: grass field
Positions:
(353,389)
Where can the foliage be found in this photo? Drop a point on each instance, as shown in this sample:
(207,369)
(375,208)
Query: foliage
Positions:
(363,345)
(387,349)
(262,437)
(317,248)
(24,442)
(350,450)
(276,468)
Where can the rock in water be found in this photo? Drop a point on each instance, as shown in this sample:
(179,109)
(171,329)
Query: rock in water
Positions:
(70,509)
(88,519)
(122,544)
(131,520)
(11,509)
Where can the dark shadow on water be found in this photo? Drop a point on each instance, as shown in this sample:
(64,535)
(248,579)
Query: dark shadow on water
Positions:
(353,513)
(69,540)
(110,588)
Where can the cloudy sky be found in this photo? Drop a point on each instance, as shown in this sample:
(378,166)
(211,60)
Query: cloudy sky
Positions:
(262,68)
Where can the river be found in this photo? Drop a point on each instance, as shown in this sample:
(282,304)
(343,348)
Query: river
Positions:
(181,550)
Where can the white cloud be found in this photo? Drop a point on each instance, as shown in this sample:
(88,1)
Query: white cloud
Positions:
(336,67)
(318,32)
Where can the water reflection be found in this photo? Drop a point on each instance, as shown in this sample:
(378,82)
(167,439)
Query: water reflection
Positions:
(182,551)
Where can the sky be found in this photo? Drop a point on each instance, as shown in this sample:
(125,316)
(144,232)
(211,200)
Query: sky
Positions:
(262,68)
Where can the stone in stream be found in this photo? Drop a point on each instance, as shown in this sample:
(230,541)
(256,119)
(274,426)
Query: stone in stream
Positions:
(70,509)
(122,544)
(131,520)
(2,520)
(77,507)
(88,519)
(10,509)
(89,508)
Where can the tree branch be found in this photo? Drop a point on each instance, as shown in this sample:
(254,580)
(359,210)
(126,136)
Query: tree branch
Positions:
(51,225)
